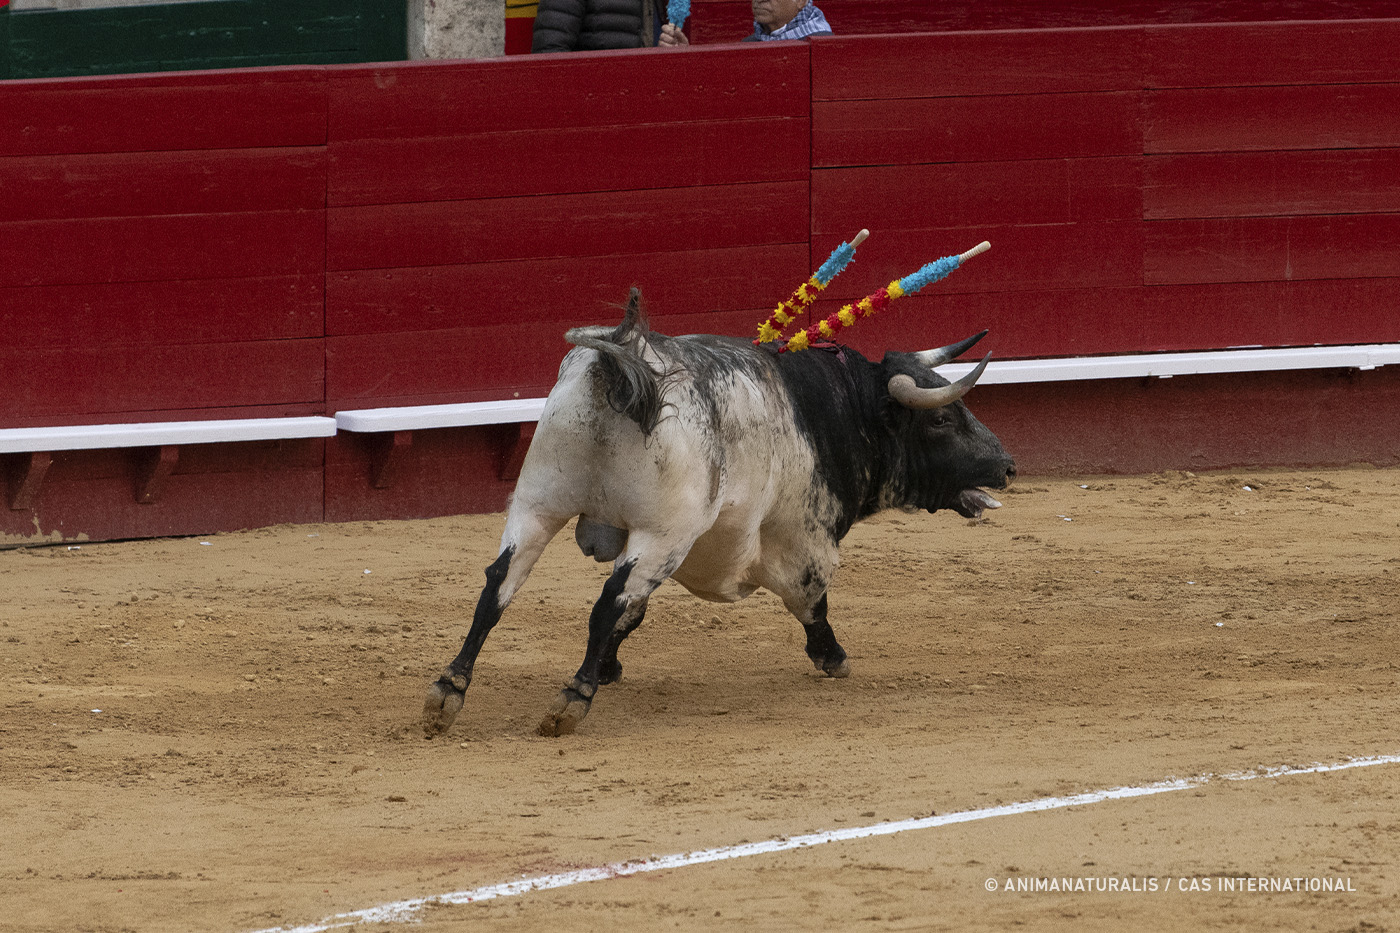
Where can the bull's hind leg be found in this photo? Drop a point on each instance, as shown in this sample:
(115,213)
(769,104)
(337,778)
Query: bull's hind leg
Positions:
(521,546)
(617,613)
(609,667)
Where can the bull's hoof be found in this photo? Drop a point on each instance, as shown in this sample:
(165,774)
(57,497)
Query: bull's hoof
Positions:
(841,668)
(443,702)
(567,711)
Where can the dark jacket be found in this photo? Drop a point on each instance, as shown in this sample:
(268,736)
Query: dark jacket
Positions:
(594,25)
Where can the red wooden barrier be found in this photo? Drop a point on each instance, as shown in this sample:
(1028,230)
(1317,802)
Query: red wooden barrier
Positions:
(164,241)
(513,217)
(164,260)
(307,240)
(1096,174)
(145,113)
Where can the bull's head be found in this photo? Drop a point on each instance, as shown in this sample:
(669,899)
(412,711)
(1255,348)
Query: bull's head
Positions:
(946,454)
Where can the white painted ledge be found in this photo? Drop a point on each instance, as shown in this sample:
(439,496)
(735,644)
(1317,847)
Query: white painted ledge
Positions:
(1166,365)
(161,433)
(1160,365)
(464,414)
(513,411)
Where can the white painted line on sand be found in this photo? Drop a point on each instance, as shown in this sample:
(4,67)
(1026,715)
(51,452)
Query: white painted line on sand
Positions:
(409,911)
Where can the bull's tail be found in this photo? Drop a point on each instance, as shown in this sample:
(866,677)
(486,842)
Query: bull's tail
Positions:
(633,386)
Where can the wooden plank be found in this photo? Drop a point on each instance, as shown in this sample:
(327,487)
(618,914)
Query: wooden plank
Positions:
(1207,422)
(1245,54)
(975,129)
(886,198)
(1104,189)
(919,323)
(86,383)
(680,283)
(1096,321)
(1354,116)
(513,360)
(184,246)
(1217,250)
(26,481)
(569,90)
(1081,255)
(164,433)
(1266,249)
(1040,322)
(518,359)
(315,407)
(608,223)
(166,312)
(1258,184)
(964,64)
(1274,314)
(560,161)
(208,110)
(132,184)
(211,34)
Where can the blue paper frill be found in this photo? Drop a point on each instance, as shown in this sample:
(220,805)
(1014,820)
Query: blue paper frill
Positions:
(938,269)
(835,263)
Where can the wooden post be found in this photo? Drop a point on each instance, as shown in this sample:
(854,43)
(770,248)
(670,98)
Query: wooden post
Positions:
(155,466)
(28,479)
(516,448)
(386,456)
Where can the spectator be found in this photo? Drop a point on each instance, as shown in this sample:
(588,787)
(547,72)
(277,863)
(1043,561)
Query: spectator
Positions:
(595,25)
(787,19)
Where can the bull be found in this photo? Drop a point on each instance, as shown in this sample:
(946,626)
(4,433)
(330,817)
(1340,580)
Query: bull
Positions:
(725,467)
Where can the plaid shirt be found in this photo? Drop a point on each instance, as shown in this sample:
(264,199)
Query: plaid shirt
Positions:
(809,21)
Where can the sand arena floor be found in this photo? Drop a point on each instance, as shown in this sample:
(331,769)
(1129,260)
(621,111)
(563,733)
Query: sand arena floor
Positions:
(221,733)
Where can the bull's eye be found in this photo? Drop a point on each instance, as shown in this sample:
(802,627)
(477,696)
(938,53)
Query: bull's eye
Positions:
(939,419)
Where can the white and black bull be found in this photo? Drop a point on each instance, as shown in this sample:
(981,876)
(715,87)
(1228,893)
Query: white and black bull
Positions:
(725,467)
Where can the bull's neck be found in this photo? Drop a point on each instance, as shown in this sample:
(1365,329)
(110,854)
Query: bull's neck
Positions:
(837,413)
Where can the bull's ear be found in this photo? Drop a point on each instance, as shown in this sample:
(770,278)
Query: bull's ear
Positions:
(932,358)
(906,392)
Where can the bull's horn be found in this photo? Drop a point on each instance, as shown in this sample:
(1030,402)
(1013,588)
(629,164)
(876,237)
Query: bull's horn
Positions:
(906,392)
(943,355)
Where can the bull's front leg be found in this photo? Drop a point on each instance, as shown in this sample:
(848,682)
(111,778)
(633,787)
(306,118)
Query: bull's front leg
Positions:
(822,647)
(805,598)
